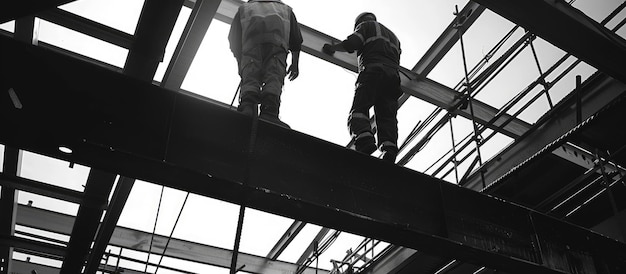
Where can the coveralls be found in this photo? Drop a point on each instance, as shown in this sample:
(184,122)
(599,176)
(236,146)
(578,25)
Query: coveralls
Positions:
(378,83)
(261,34)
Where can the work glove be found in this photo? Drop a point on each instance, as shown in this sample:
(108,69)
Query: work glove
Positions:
(327,48)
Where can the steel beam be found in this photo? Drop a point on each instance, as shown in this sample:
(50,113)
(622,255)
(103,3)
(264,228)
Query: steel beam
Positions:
(392,262)
(569,29)
(48,190)
(24,28)
(43,249)
(12,10)
(120,196)
(138,240)
(21,267)
(8,205)
(189,42)
(311,251)
(95,200)
(154,28)
(125,126)
(448,38)
(445,42)
(286,239)
(417,85)
(596,93)
(88,27)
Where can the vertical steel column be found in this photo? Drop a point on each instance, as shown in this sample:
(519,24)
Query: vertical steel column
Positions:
(24,27)
(8,206)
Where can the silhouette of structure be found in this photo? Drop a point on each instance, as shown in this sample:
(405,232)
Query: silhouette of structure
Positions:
(551,202)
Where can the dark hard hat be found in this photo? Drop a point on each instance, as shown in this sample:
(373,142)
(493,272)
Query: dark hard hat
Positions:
(361,18)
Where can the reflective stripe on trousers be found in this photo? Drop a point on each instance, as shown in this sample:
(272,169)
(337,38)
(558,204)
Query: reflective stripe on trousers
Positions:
(377,86)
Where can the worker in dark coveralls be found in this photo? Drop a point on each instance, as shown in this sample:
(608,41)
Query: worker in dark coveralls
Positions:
(378,85)
(261,35)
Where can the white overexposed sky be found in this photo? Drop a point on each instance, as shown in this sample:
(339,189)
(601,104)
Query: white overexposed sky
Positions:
(317,104)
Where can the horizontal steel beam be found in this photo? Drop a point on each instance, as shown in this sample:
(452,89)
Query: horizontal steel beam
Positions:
(140,241)
(286,239)
(568,28)
(12,10)
(128,127)
(35,247)
(448,38)
(40,188)
(596,92)
(22,267)
(88,27)
(417,86)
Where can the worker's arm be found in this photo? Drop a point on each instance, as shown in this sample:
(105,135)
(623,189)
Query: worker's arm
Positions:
(234,37)
(295,46)
(294,70)
(352,43)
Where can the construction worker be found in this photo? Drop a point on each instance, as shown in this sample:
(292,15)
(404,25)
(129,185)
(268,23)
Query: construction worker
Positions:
(378,85)
(261,35)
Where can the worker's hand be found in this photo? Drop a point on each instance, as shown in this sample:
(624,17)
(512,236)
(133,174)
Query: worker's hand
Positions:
(293,72)
(328,49)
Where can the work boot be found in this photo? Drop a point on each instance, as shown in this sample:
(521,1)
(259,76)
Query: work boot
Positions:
(248,103)
(269,115)
(269,110)
(389,153)
(248,109)
(365,143)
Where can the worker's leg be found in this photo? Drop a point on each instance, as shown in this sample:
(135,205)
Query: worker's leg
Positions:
(358,120)
(250,72)
(275,65)
(386,110)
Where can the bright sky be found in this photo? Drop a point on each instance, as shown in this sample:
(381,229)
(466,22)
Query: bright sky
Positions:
(317,103)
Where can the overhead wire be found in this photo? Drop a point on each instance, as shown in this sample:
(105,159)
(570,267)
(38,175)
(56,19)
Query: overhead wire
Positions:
(154,229)
(171,233)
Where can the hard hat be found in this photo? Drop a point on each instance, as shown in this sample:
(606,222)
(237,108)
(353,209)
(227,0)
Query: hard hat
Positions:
(360,17)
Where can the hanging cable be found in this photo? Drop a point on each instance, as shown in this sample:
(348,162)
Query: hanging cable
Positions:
(469,96)
(171,233)
(236,92)
(546,86)
(154,229)
(456,173)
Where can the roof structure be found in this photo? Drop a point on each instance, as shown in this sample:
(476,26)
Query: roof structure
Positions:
(123,153)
